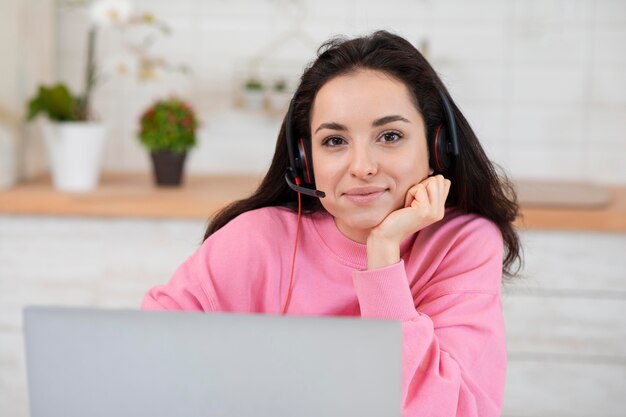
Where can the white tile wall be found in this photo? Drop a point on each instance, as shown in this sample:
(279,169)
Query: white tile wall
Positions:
(610,12)
(535,124)
(554,70)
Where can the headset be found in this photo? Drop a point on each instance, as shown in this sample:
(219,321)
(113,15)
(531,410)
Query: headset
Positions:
(443,147)
(300,165)
(443,144)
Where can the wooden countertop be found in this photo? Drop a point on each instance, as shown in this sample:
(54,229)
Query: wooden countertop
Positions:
(135,196)
(129,195)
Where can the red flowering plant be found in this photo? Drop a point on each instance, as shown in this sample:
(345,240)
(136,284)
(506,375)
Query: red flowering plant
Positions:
(168,125)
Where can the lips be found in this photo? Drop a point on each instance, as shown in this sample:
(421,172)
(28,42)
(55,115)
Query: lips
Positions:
(364,195)
(365,190)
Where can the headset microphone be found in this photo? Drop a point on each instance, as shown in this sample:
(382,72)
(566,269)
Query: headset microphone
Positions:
(304,190)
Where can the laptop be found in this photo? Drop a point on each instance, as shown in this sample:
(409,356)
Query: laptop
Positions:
(126,363)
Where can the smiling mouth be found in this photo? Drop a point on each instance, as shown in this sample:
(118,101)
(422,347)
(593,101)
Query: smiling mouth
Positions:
(364,198)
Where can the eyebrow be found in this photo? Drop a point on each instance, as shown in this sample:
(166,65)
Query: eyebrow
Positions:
(378,122)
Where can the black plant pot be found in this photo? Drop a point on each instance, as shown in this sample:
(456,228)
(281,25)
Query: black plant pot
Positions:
(168,167)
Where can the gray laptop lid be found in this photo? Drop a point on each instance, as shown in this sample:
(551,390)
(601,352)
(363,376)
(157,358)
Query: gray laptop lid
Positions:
(84,362)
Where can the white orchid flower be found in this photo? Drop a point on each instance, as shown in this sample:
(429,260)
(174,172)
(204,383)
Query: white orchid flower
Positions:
(123,63)
(110,12)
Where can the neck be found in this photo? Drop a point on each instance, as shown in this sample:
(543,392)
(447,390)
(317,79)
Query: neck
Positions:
(356,235)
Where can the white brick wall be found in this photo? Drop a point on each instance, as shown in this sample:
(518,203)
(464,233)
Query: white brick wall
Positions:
(540,80)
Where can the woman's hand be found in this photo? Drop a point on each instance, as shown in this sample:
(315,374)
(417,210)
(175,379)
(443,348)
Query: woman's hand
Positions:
(424,205)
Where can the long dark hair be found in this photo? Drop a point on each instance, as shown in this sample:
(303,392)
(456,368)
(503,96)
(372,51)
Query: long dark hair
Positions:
(476,185)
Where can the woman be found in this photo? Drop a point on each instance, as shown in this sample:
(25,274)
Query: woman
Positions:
(381,236)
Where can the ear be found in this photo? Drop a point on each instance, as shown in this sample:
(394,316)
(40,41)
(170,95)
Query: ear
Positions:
(430,171)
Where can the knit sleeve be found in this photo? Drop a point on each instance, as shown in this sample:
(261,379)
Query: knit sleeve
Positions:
(454,354)
(184,291)
(226,273)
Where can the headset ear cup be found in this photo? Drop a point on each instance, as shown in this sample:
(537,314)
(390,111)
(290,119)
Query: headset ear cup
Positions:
(305,162)
(438,150)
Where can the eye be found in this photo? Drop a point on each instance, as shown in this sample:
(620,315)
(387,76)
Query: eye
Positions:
(391,137)
(333,141)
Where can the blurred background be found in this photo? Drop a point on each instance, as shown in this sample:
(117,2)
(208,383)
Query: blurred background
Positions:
(542,82)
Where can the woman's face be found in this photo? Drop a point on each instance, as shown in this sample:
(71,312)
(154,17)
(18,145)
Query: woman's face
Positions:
(368,148)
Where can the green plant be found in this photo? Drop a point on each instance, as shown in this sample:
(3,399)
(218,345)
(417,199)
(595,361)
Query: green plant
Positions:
(254,84)
(58,103)
(280,85)
(168,125)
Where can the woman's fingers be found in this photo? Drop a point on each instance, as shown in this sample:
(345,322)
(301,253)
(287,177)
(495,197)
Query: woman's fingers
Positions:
(430,195)
(434,194)
(442,195)
(410,196)
(434,191)
(421,196)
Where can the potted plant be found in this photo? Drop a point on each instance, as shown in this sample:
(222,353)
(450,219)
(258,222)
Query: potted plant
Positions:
(74,139)
(72,134)
(168,130)
(253,94)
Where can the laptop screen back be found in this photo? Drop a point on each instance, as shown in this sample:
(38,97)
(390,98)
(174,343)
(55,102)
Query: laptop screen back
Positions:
(103,363)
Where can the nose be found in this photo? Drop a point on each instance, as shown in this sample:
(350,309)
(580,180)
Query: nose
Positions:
(362,162)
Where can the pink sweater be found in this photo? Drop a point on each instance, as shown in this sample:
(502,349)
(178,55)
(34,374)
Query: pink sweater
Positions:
(445,290)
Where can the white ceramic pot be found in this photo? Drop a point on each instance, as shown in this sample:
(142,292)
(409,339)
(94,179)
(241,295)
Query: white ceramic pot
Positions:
(75,152)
